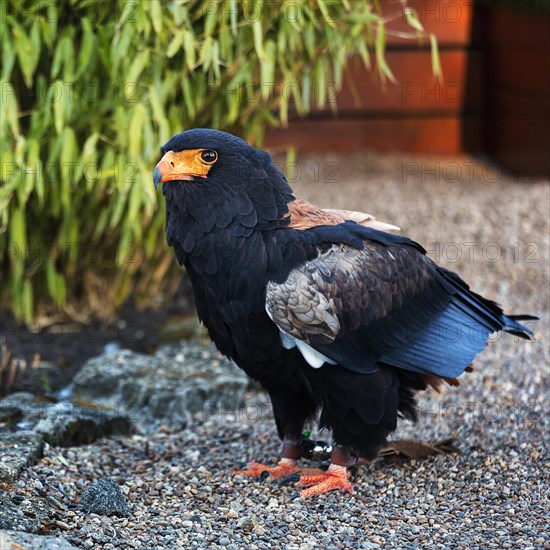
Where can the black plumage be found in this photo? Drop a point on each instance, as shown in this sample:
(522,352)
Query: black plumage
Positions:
(337,319)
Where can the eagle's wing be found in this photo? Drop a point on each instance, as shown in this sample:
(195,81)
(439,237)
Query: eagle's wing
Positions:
(383,303)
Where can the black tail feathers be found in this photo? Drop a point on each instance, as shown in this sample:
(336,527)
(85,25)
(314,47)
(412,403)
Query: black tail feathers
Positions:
(512,326)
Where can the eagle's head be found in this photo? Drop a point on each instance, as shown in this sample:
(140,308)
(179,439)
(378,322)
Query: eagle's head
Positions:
(216,182)
(213,163)
(203,155)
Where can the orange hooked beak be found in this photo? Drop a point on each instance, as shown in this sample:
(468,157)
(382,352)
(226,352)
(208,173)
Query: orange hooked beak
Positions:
(182,166)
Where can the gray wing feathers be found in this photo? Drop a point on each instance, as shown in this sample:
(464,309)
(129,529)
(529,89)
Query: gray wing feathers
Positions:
(342,289)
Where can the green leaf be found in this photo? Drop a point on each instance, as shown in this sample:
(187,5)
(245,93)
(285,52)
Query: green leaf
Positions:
(156,15)
(412,19)
(89,161)
(134,203)
(326,15)
(87,47)
(135,131)
(34,177)
(175,44)
(101,224)
(258,39)
(290,164)
(35,43)
(436,62)
(309,41)
(55,283)
(207,53)
(27,301)
(118,209)
(57,59)
(267,70)
(18,230)
(60,103)
(211,18)
(189,47)
(380,44)
(121,126)
(188,98)
(283,106)
(136,68)
(233,10)
(89,153)
(50,25)
(68,160)
(364,53)
(320,83)
(69,58)
(128,12)
(306,91)
(158,115)
(8,59)
(10,109)
(25,54)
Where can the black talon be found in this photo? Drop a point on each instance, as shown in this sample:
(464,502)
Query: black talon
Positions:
(292,478)
(263,476)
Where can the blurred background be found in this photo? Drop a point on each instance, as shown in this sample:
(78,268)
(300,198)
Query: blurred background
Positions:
(426,113)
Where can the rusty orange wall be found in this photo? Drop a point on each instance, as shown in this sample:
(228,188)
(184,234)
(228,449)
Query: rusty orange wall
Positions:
(517,80)
(418,114)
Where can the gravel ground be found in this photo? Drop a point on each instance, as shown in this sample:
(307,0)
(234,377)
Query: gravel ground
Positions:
(494,494)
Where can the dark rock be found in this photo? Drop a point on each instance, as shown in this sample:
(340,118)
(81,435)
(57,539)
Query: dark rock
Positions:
(17,451)
(105,498)
(45,378)
(180,379)
(28,541)
(32,515)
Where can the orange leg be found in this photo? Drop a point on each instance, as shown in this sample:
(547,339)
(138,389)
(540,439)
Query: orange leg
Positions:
(336,477)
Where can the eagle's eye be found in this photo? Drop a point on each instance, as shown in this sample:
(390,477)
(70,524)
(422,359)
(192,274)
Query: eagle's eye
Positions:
(209,157)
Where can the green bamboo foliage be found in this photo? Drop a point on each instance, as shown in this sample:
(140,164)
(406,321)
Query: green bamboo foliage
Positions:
(91,88)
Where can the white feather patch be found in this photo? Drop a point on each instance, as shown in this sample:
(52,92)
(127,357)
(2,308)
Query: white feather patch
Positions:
(313,357)
(287,340)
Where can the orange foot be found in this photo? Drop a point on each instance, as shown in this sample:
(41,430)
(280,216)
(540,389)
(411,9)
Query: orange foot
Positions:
(285,467)
(336,477)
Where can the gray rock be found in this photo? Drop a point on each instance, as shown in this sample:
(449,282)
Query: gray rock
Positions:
(63,424)
(20,397)
(66,425)
(12,411)
(19,539)
(180,379)
(17,451)
(104,497)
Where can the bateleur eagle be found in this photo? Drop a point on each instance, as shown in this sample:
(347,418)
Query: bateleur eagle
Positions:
(332,315)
